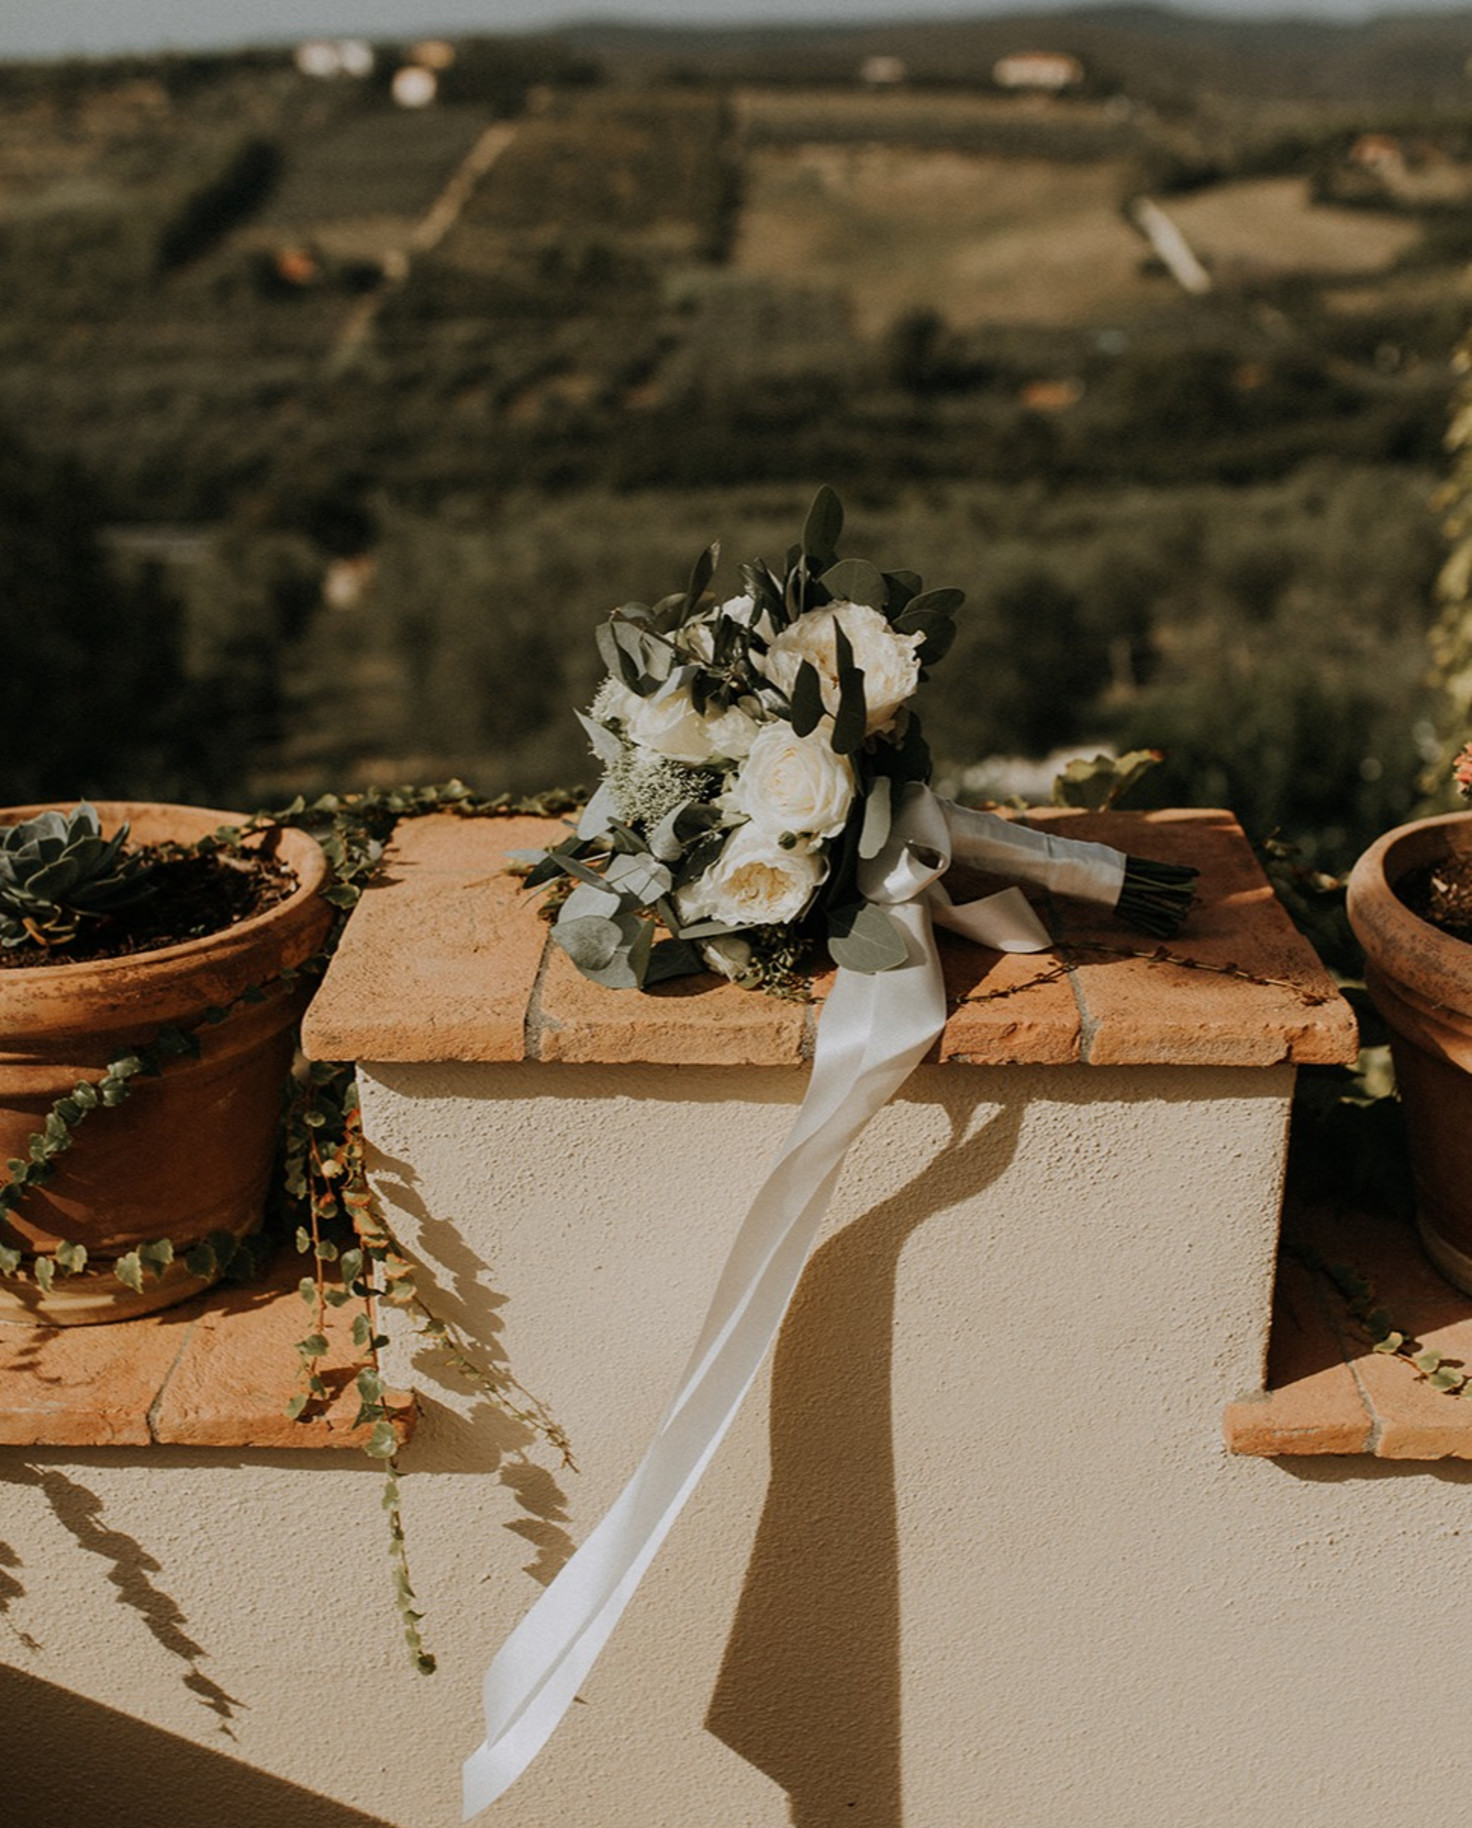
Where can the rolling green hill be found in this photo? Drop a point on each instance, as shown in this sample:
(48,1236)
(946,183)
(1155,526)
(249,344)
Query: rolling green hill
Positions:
(425,384)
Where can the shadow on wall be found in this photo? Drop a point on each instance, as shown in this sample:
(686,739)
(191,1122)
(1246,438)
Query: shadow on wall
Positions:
(92,1764)
(809,1691)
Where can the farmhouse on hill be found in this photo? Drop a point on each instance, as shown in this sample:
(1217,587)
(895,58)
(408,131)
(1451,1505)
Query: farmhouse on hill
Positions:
(1047,70)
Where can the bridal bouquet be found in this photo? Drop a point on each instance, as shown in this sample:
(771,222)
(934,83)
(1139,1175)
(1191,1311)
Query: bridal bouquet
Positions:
(764,787)
(755,752)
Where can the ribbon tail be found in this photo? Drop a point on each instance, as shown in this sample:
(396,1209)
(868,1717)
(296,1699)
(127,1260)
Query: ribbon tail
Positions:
(874,1032)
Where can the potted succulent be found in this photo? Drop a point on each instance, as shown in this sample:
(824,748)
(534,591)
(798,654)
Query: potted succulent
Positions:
(143,966)
(1410,904)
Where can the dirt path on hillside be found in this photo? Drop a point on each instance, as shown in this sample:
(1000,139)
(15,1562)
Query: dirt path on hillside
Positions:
(436,223)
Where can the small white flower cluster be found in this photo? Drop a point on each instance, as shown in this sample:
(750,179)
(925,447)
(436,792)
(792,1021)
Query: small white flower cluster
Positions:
(782,797)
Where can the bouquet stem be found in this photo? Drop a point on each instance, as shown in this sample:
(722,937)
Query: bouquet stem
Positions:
(1156,897)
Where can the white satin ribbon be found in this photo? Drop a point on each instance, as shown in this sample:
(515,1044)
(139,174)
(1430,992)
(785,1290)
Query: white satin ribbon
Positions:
(874,1032)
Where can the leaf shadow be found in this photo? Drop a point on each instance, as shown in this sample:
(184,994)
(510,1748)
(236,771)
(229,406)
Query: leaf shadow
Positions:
(499,1434)
(130,1570)
(11,1590)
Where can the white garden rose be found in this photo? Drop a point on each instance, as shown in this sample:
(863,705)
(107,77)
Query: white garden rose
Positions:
(754,882)
(792,783)
(731,733)
(668,723)
(887,658)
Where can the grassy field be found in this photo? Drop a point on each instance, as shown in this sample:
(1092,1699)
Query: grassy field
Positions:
(979,238)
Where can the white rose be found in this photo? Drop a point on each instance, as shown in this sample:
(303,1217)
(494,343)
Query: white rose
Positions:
(792,783)
(731,733)
(754,882)
(730,957)
(887,659)
(743,609)
(669,724)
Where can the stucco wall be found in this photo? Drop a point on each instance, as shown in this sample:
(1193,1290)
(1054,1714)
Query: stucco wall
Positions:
(973,1555)
(980,1559)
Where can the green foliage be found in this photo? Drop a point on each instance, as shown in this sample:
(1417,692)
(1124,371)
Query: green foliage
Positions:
(221,202)
(1451,638)
(1103,781)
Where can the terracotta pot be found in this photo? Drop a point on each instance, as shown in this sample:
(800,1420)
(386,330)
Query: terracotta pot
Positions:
(190,1151)
(1420,979)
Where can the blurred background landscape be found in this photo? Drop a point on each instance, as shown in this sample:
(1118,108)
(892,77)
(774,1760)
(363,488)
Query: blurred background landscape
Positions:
(345,386)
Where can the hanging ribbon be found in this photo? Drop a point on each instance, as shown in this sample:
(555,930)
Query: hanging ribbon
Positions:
(875,1030)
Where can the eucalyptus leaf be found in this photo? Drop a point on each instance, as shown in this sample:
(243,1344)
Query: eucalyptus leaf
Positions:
(699,857)
(580,872)
(904,587)
(807,700)
(643,879)
(588,903)
(672,958)
(594,818)
(606,746)
(702,573)
(856,581)
(852,721)
(590,942)
(665,841)
(795,589)
(629,962)
(909,760)
(943,602)
(620,663)
(823,526)
(862,937)
(874,832)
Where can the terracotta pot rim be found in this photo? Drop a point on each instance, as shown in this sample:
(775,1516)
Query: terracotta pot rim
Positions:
(300,849)
(1403,947)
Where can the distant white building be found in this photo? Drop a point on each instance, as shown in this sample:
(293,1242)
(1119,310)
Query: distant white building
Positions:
(330,57)
(432,53)
(883,72)
(414,86)
(1048,70)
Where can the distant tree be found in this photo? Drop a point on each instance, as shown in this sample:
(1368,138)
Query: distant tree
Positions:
(97,701)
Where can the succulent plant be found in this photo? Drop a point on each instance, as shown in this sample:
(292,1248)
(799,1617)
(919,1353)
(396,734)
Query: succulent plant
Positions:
(57,870)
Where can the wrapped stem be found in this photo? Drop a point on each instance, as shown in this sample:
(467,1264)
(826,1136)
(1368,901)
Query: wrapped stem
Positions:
(1156,897)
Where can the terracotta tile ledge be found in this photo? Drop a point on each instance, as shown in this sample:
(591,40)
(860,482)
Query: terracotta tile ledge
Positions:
(445,958)
(1328,1391)
(217,1371)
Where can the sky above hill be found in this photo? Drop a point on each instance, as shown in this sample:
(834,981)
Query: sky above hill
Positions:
(50,28)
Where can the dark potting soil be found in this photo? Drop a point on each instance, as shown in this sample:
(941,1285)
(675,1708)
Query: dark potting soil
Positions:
(1441,893)
(197,893)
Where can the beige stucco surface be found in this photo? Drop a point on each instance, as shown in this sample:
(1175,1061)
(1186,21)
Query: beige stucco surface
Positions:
(973,1553)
